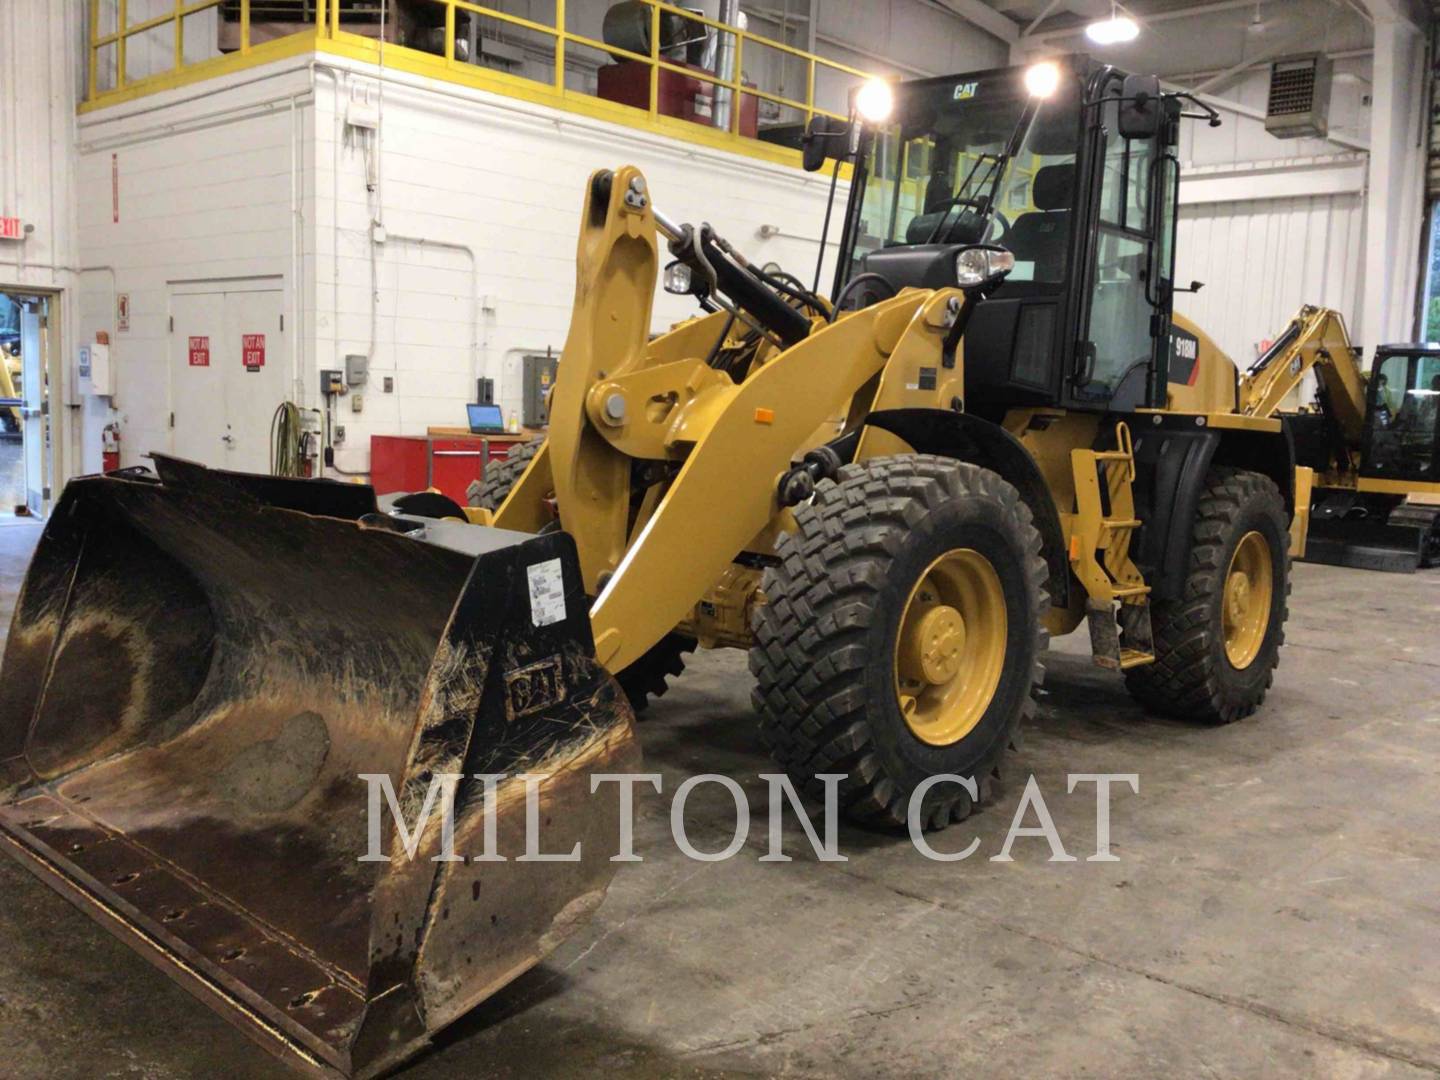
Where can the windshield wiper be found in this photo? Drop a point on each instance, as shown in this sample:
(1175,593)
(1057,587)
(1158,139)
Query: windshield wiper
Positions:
(989,182)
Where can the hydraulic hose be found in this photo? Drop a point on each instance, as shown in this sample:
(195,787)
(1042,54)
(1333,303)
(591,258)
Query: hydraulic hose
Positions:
(286,441)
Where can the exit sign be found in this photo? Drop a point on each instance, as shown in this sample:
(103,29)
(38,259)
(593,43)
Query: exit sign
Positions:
(11,228)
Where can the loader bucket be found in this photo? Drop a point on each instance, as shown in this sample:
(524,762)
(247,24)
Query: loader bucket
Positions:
(1364,544)
(200,672)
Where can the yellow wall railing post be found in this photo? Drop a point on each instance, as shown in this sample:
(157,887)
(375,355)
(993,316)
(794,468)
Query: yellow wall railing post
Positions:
(737,77)
(320,22)
(654,61)
(121,18)
(450,33)
(179,35)
(244,27)
(94,59)
(810,91)
(560,45)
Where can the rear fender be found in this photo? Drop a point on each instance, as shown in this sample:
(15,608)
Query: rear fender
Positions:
(965,437)
(1171,463)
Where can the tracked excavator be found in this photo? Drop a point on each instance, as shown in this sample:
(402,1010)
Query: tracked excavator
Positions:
(1371,441)
(995,430)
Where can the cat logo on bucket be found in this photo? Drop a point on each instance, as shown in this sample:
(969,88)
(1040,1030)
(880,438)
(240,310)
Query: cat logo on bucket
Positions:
(964,91)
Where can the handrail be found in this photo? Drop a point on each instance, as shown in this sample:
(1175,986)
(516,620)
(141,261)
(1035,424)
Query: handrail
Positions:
(328,34)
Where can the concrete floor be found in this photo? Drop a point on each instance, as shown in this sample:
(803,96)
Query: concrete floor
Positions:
(1276,910)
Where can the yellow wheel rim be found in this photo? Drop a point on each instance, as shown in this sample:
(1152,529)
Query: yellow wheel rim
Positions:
(1245,605)
(950,650)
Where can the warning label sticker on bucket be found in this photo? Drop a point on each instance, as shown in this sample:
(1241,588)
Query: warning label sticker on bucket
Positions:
(547,592)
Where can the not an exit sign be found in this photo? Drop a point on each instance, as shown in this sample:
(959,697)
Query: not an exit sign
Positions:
(11,228)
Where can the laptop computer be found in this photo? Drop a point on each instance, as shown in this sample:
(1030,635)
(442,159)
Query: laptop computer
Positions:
(486,419)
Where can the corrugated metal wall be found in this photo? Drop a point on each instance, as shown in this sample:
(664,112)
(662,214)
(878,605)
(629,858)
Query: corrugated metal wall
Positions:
(1261,259)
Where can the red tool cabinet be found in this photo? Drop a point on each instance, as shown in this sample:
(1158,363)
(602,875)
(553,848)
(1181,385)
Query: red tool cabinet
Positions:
(447,462)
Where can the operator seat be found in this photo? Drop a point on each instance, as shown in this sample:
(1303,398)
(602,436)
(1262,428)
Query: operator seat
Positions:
(1042,236)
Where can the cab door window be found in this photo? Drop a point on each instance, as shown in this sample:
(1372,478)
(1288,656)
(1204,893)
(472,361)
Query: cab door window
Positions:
(1118,328)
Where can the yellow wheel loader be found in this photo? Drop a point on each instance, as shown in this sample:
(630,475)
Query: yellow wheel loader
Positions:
(995,431)
(1372,441)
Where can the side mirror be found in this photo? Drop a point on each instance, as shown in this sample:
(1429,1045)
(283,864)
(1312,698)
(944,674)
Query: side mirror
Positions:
(1140,107)
(824,138)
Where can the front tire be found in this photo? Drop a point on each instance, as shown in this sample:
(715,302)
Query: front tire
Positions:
(500,476)
(1217,645)
(902,636)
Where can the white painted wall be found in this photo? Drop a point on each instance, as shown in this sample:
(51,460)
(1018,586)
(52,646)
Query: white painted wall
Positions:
(480,200)
(1243,138)
(1270,224)
(1261,259)
(39,80)
(204,181)
(478,197)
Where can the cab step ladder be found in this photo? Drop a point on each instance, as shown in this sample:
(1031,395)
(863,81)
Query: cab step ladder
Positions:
(1105,523)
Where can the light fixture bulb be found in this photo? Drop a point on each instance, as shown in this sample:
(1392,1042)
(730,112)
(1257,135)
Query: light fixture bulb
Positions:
(875,101)
(1112,31)
(1042,79)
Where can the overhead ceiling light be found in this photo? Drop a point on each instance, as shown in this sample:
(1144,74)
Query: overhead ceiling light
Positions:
(1112,31)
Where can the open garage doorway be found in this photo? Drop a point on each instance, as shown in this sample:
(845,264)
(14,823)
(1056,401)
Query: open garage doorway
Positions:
(26,345)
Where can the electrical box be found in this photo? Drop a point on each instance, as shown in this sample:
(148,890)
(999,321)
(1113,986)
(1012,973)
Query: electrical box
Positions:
(1299,102)
(332,382)
(539,375)
(485,391)
(357,369)
(99,378)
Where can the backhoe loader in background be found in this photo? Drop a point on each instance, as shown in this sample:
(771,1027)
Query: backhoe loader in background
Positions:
(994,432)
(1373,442)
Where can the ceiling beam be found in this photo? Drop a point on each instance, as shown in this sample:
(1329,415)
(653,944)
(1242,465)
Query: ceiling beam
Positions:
(1078,24)
(1236,109)
(1044,14)
(982,15)
(1222,79)
(1406,11)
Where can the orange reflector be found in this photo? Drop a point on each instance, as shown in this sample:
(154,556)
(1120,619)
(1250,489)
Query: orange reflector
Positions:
(1074,548)
(764,416)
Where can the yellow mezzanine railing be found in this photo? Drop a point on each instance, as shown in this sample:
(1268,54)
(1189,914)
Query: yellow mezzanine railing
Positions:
(324,30)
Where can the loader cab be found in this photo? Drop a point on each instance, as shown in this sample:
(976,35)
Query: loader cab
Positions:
(1401,440)
(1083,319)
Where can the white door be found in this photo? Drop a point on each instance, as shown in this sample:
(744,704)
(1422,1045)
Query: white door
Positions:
(255,376)
(197,389)
(33,418)
(227,376)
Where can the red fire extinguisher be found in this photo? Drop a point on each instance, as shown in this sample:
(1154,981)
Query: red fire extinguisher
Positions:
(110,448)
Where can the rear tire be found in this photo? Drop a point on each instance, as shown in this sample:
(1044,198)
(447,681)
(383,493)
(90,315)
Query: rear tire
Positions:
(1194,676)
(500,476)
(827,660)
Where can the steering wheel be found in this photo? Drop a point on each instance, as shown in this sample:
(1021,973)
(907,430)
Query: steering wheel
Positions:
(978,205)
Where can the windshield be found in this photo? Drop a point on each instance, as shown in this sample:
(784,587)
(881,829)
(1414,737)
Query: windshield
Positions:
(934,174)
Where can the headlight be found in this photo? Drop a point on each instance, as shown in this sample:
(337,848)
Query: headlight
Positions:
(875,101)
(678,279)
(976,266)
(1042,79)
